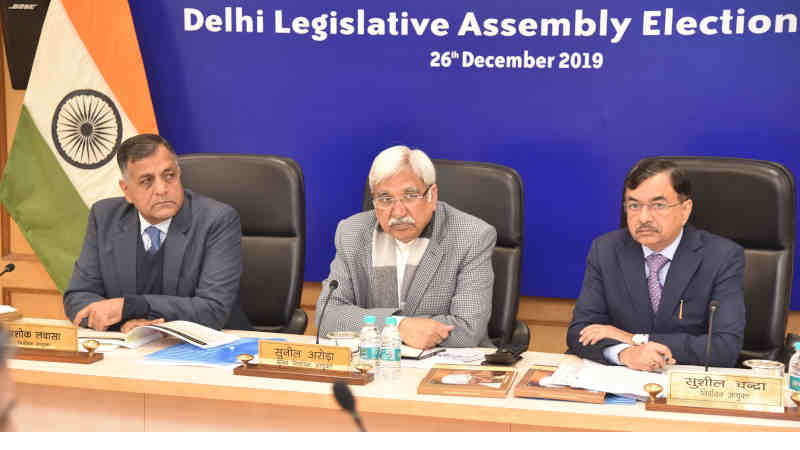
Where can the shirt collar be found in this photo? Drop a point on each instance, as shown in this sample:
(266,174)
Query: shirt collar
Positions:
(669,251)
(163,226)
(405,246)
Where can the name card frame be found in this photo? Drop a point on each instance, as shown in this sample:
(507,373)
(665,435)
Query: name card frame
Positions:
(306,362)
(310,356)
(685,396)
(35,354)
(304,374)
(48,340)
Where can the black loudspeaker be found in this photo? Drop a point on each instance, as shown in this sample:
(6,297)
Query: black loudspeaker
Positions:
(22,25)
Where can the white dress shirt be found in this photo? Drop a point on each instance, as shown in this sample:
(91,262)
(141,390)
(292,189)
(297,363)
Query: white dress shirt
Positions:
(401,254)
(163,227)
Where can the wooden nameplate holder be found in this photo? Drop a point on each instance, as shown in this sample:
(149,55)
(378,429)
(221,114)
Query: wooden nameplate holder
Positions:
(790,413)
(50,340)
(35,354)
(304,374)
(660,404)
(307,362)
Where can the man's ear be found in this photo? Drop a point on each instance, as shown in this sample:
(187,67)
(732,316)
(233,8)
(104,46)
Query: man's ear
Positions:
(124,186)
(687,210)
(433,194)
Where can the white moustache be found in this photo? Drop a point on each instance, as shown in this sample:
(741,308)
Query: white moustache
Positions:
(402,220)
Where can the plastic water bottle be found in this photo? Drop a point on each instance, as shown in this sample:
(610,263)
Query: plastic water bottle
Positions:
(369,342)
(390,350)
(794,369)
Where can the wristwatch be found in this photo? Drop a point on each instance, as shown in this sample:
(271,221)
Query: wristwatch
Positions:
(640,339)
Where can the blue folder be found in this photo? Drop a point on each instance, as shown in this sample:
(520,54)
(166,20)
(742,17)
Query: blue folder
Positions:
(222,356)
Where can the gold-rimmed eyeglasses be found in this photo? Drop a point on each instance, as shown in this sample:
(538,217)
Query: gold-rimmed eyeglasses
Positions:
(409,198)
(654,207)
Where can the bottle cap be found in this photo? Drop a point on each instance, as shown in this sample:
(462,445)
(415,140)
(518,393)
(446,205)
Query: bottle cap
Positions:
(369,320)
(391,321)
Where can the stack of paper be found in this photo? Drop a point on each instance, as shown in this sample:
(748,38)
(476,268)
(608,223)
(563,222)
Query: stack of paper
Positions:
(618,380)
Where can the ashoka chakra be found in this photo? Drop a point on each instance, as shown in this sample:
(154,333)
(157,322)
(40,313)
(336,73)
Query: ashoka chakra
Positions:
(87,128)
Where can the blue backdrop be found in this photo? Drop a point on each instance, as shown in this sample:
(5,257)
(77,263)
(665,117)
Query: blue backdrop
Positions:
(571,133)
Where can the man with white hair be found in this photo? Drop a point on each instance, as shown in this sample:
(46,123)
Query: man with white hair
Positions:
(415,258)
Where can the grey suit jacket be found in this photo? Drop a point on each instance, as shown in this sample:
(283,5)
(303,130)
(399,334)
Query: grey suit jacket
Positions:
(705,267)
(202,262)
(452,284)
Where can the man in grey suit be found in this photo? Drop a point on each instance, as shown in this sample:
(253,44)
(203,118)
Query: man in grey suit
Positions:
(158,253)
(413,257)
(647,290)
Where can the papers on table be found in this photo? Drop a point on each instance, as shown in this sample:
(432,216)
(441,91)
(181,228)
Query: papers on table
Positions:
(190,332)
(8,312)
(618,380)
(110,340)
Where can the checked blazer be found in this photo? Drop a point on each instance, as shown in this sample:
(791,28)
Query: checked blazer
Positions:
(452,284)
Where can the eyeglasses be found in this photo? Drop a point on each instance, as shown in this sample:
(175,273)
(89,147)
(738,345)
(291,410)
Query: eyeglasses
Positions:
(654,207)
(409,198)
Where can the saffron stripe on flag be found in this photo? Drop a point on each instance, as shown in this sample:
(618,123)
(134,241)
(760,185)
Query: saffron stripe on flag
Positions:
(115,51)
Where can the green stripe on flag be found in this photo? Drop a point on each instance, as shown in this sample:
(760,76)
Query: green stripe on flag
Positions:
(43,202)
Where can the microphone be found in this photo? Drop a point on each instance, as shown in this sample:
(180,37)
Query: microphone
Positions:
(345,399)
(9,268)
(332,287)
(713,308)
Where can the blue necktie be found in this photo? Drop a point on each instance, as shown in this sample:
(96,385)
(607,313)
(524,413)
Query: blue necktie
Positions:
(155,239)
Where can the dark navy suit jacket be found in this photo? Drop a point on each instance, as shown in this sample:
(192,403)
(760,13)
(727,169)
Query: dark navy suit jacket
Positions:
(202,262)
(705,267)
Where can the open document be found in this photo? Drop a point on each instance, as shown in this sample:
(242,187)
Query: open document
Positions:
(594,376)
(190,332)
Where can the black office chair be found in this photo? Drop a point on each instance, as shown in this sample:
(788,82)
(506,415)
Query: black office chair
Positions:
(495,195)
(269,194)
(752,203)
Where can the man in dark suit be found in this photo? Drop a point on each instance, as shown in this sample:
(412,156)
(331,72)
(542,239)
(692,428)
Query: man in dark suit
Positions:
(647,289)
(158,253)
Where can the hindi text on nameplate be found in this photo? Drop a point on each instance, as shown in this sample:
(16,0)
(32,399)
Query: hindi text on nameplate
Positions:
(44,334)
(304,355)
(714,390)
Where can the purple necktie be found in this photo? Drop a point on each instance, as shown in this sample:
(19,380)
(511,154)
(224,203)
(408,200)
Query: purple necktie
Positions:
(655,262)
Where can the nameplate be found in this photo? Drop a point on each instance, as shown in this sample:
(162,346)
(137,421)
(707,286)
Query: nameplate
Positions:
(311,356)
(726,391)
(44,334)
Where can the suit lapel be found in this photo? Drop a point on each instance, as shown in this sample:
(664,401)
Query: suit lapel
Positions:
(175,245)
(423,276)
(124,248)
(429,263)
(631,260)
(681,269)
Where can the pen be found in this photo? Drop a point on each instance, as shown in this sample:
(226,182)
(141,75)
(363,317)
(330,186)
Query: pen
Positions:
(680,311)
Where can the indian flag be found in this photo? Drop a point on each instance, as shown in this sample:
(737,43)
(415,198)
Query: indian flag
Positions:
(87,93)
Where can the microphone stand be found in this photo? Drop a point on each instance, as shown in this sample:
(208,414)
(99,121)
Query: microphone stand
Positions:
(332,287)
(713,307)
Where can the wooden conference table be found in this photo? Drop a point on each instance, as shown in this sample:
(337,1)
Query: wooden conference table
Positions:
(121,393)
